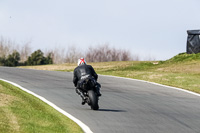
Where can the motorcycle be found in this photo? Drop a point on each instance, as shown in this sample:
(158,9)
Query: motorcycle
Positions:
(88,93)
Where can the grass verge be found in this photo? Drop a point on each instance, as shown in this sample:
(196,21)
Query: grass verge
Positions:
(20,112)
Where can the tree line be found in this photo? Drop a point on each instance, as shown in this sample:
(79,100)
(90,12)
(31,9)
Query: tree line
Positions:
(12,54)
(36,58)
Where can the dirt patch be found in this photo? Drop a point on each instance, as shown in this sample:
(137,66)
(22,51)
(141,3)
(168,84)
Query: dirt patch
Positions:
(52,67)
(181,68)
(6,99)
(155,76)
(13,122)
(179,77)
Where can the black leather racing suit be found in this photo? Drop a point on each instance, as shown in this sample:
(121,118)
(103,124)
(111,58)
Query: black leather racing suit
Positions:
(83,71)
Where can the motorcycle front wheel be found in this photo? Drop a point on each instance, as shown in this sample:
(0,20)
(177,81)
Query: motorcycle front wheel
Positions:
(93,100)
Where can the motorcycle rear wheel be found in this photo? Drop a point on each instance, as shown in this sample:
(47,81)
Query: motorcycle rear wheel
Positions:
(93,100)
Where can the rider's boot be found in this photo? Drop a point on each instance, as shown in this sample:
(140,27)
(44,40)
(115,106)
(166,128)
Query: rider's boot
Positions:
(81,94)
(83,101)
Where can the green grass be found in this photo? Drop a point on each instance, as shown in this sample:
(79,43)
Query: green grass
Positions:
(183,57)
(20,112)
(181,71)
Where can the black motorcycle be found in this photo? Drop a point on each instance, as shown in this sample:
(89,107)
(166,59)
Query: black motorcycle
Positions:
(88,92)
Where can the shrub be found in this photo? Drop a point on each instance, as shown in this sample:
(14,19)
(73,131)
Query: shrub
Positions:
(37,58)
(13,59)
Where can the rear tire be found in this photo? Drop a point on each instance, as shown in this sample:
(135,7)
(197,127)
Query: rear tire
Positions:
(93,100)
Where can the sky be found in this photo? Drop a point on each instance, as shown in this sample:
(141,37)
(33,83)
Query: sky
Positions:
(148,28)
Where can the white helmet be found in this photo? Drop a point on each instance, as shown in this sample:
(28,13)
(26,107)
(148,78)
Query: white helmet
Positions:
(81,61)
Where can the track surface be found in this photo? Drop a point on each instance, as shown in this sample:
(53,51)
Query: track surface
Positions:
(126,106)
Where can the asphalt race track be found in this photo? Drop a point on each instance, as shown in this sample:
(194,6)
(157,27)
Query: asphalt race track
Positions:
(127,106)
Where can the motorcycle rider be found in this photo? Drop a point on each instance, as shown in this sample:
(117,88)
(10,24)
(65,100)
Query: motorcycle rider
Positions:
(83,73)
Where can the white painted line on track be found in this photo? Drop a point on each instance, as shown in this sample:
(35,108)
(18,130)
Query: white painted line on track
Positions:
(84,127)
(175,88)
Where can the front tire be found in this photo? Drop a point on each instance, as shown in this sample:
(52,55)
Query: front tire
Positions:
(93,100)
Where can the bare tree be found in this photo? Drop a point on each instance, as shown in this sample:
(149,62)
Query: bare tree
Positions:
(73,54)
(58,55)
(114,55)
(135,57)
(125,56)
(104,53)
(25,51)
(89,56)
(6,47)
(100,53)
